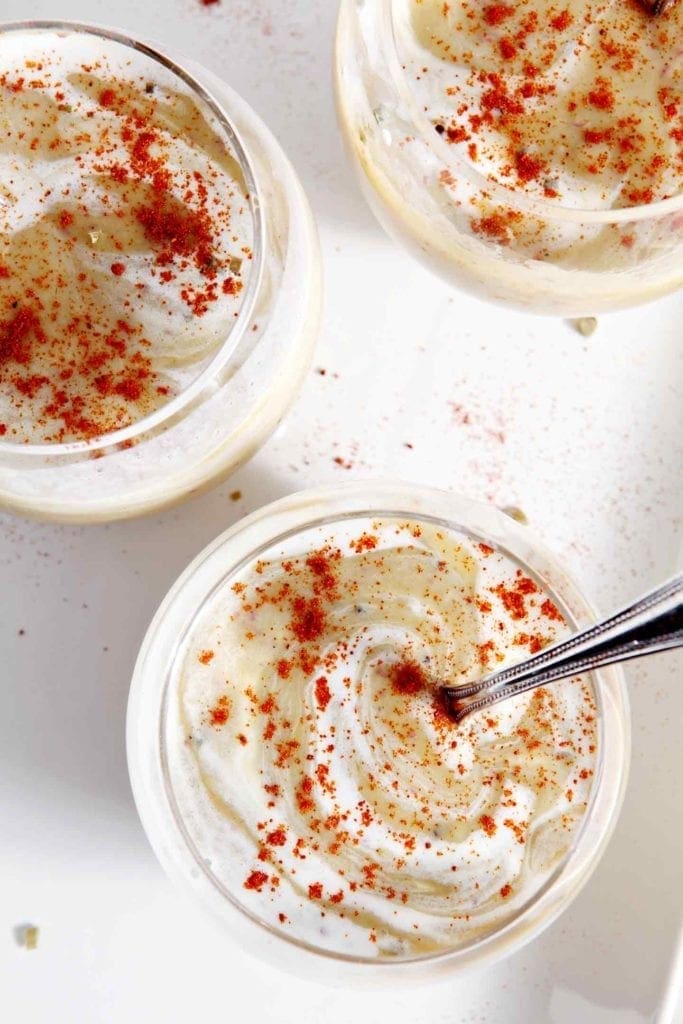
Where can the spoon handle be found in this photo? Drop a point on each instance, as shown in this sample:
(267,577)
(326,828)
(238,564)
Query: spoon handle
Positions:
(652,623)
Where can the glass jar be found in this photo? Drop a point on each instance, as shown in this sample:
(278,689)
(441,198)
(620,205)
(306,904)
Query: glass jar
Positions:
(227,399)
(159,732)
(501,243)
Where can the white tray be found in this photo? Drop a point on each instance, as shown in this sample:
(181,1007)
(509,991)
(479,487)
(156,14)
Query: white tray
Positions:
(583,434)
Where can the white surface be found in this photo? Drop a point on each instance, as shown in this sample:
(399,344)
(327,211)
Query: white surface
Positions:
(583,434)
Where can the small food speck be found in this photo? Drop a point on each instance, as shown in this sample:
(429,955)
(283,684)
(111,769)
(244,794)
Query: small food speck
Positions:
(585,325)
(517,514)
(27,935)
(235,495)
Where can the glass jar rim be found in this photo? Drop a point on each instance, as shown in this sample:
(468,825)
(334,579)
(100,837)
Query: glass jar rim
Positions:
(506,194)
(170,411)
(295,514)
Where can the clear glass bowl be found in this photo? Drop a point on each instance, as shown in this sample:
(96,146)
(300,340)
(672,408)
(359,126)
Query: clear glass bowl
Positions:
(243,388)
(428,198)
(152,714)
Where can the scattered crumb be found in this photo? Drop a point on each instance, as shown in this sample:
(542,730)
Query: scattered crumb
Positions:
(321,370)
(585,325)
(235,495)
(26,935)
(408,444)
(21,632)
(517,514)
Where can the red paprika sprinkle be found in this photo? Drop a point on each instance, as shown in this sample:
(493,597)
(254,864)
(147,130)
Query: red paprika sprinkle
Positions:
(407,677)
(177,231)
(118,269)
(602,98)
(304,800)
(508,50)
(529,167)
(484,652)
(278,837)
(550,610)
(256,880)
(220,712)
(321,564)
(561,21)
(284,668)
(268,705)
(457,134)
(498,226)
(524,584)
(534,642)
(488,824)
(495,14)
(513,601)
(366,542)
(231,286)
(15,337)
(323,694)
(308,618)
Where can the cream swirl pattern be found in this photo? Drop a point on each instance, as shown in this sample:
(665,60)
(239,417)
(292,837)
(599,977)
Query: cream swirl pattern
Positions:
(317,775)
(126,235)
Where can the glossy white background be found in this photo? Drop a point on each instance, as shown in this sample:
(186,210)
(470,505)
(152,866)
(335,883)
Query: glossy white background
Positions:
(583,434)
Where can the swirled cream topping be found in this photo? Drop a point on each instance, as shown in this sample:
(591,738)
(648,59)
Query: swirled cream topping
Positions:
(125,235)
(315,770)
(574,100)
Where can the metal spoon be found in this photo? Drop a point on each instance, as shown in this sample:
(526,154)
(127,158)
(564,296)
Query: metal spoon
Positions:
(656,7)
(653,623)
(659,6)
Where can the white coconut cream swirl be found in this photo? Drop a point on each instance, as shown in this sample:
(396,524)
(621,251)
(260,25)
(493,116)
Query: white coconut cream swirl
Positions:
(315,770)
(126,235)
(575,100)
